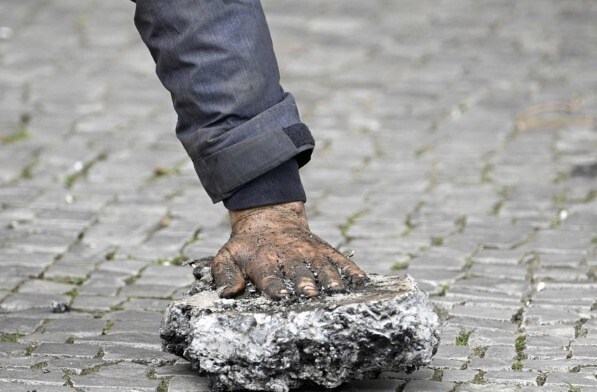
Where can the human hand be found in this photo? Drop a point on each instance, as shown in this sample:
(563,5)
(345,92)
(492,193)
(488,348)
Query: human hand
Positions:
(272,243)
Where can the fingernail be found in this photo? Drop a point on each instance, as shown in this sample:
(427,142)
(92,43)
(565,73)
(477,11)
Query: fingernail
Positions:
(283,292)
(334,284)
(310,291)
(223,292)
(309,288)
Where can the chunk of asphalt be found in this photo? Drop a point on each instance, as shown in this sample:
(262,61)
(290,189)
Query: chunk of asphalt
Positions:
(253,343)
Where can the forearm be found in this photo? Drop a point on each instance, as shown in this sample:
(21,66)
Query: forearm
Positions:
(234,119)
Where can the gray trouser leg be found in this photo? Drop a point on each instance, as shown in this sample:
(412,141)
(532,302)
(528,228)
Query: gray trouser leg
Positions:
(216,59)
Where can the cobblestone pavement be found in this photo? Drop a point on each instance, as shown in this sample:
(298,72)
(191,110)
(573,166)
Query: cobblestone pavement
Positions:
(457,142)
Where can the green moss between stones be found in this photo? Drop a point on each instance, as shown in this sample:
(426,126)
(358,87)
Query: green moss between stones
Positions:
(462,338)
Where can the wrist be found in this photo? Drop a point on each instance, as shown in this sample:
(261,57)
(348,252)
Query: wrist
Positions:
(250,219)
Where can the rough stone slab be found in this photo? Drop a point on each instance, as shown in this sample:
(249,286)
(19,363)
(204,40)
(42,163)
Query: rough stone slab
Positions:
(257,344)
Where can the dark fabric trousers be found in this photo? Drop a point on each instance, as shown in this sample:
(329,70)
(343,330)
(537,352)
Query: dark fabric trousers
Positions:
(239,127)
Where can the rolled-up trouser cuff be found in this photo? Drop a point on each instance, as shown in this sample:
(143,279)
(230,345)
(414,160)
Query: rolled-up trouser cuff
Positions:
(279,185)
(224,172)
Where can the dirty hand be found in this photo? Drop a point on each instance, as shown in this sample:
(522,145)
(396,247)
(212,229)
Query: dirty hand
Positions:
(272,243)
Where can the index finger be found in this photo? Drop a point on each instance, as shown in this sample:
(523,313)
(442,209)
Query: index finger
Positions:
(229,279)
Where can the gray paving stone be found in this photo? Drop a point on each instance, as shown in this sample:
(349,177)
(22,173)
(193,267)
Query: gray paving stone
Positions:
(188,384)
(562,275)
(135,315)
(10,349)
(124,370)
(138,355)
(149,304)
(546,341)
(473,323)
(551,365)
(584,352)
(560,260)
(458,376)
(577,294)
(547,353)
(77,327)
(148,291)
(500,271)
(544,388)
(497,300)
(448,351)
(510,377)
(37,338)
(467,387)
(498,235)
(68,271)
(503,314)
(15,263)
(73,365)
(550,315)
(148,341)
(32,377)
(585,342)
(66,350)
(498,256)
(501,352)
(19,387)
(487,337)
(25,301)
(562,242)
(437,262)
(129,267)
(18,362)
(103,283)
(130,326)
(561,331)
(448,363)
(110,383)
(577,379)
(180,368)
(18,325)
(509,286)
(171,275)
(42,242)
(96,303)
(9,283)
(489,364)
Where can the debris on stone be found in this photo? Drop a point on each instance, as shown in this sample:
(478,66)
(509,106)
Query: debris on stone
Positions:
(59,307)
